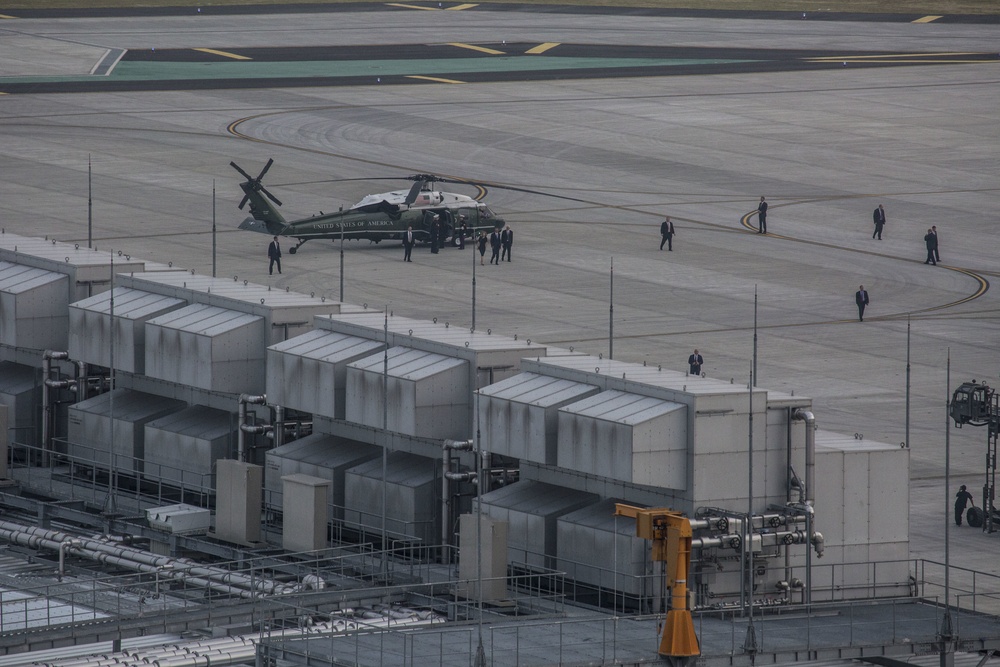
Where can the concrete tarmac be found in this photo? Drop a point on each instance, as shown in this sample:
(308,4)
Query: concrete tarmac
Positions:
(594,165)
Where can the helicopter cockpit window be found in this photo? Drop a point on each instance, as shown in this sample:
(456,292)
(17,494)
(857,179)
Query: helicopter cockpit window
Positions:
(485,213)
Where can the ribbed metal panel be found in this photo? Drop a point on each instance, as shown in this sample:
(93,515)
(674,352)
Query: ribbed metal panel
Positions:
(412,496)
(492,357)
(519,416)
(90,334)
(88,271)
(428,393)
(287,314)
(599,549)
(861,491)
(627,437)
(183,447)
(318,455)
(89,436)
(532,510)
(33,305)
(21,392)
(207,347)
(309,372)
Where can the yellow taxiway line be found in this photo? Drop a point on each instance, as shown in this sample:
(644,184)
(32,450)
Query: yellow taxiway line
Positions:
(926,19)
(473,47)
(432,78)
(224,54)
(542,48)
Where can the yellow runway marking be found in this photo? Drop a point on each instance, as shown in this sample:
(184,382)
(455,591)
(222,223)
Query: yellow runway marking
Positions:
(542,48)
(473,47)
(5,16)
(402,6)
(433,78)
(927,19)
(458,8)
(224,54)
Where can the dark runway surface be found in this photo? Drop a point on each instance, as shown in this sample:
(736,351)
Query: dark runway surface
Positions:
(454,62)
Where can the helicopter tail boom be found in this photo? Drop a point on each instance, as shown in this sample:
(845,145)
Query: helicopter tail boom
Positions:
(264,227)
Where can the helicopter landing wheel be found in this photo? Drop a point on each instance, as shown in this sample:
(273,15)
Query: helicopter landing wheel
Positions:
(293,250)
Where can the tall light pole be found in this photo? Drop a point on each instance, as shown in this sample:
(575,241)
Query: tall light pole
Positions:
(90,205)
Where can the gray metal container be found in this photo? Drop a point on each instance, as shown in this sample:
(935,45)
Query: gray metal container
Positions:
(532,510)
(428,393)
(91,328)
(89,435)
(627,437)
(519,416)
(309,372)
(318,455)
(287,314)
(88,271)
(33,305)
(599,549)
(209,348)
(413,496)
(21,392)
(182,447)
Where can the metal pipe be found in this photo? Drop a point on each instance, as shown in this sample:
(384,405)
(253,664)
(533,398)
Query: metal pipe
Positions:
(447,446)
(99,550)
(47,357)
(62,555)
(810,420)
(81,381)
(256,399)
(279,425)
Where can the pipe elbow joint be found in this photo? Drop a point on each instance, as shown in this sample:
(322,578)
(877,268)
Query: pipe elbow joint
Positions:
(463,445)
(819,543)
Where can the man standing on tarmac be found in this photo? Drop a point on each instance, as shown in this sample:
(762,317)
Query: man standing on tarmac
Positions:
(274,253)
(667,234)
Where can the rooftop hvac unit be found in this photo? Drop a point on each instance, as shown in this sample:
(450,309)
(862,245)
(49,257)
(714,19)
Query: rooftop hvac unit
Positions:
(180,519)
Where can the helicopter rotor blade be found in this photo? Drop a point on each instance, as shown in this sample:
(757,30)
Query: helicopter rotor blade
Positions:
(239,169)
(411,196)
(264,170)
(267,194)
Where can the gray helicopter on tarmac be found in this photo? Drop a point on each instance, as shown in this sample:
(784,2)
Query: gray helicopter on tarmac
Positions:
(376,217)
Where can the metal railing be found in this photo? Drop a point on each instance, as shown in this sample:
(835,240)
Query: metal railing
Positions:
(82,476)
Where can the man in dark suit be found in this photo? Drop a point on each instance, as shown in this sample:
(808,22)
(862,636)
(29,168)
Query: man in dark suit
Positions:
(762,216)
(695,361)
(667,233)
(274,253)
(879,217)
(495,247)
(506,241)
(861,298)
(930,240)
(937,246)
(435,234)
(407,244)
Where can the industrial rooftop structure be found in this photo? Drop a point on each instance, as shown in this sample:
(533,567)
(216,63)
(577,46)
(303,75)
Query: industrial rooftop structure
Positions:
(255,474)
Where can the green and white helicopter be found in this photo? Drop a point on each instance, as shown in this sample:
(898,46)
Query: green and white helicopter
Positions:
(377,217)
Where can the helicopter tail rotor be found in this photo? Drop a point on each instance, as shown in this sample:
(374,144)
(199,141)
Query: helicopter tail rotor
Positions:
(255,183)
(258,196)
